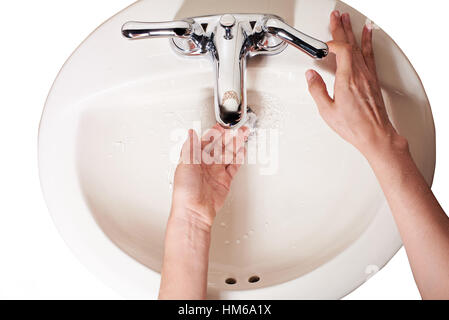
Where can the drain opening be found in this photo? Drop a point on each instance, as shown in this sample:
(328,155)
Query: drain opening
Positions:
(230,281)
(253,279)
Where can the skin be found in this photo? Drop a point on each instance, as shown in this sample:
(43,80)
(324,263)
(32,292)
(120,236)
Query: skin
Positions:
(202,183)
(357,113)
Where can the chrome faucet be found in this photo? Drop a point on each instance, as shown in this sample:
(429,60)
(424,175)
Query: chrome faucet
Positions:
(229,39)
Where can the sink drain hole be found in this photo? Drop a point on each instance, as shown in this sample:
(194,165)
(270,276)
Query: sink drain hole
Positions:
(230,281)
(253,279)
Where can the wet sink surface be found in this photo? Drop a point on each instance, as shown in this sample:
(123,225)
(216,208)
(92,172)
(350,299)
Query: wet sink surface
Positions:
(308,219)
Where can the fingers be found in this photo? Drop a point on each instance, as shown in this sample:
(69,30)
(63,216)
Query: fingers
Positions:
(344,40)
(211,135)
(344,56)
(191,152)
(367,48)
(238,140)
(219,146)
(318,90)
(336,27)
(232,146)
(341,28)
(347,26)
(233,168)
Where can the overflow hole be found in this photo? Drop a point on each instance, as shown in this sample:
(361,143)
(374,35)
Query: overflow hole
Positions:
(253,279)
(230,281)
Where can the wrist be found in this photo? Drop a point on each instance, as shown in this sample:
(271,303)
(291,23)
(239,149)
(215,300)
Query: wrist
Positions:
(197,219)
(186,256)
(390,149)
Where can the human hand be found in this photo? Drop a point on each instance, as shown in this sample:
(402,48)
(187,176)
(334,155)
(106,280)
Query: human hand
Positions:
(204,175)
(357,112)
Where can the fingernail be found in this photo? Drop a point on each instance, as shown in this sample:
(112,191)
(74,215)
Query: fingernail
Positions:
(346,17)
(369,26)
(310,74)
(336,13)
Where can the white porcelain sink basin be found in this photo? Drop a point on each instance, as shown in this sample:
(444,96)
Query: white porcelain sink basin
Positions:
(311,223)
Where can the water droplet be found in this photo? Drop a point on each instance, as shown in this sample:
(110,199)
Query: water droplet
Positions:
(237,241)
(371,270)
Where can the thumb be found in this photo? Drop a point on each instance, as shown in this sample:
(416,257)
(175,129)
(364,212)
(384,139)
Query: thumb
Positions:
(191,151)
(318,90)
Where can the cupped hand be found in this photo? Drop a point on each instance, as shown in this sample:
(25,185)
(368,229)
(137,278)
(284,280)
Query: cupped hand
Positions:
(204,175)
(357,111)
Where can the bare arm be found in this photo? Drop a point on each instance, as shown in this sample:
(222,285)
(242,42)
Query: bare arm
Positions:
(186,257)
(202,182)
(423,225)
(357,113)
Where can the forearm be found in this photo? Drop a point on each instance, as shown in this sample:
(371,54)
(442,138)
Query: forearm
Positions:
(422,223)
(186,257)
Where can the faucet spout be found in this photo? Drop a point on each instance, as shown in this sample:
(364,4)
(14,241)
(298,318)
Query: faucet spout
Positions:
(229,57)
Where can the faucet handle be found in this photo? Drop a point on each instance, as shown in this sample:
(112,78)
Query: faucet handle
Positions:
(311,46)
(186,35)
(143,30)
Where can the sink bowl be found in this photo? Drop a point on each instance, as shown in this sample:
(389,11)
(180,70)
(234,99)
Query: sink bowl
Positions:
(308,221)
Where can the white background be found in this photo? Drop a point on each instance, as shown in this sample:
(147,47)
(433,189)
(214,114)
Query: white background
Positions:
(38,36)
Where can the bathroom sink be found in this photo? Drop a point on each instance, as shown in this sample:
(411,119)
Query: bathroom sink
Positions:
(307,222)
